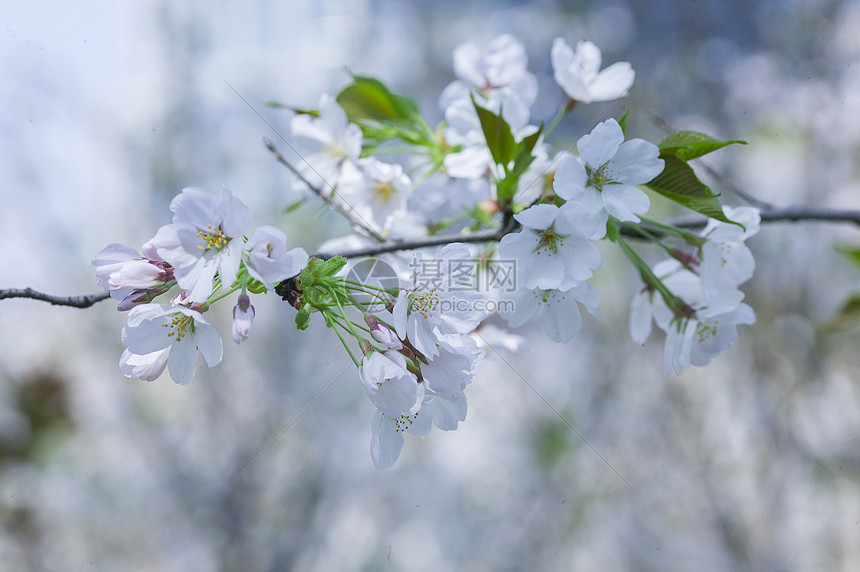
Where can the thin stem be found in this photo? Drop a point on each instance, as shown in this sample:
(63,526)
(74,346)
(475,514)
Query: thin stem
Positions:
(688,236)
(648,275)
(351,214)
(346,347)
(224,295)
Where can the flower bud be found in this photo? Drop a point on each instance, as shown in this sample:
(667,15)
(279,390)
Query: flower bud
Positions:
(243,317)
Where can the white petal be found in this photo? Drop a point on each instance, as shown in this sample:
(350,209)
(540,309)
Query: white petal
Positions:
(235,215)
(612,83)
(182,361)
(636,162)
(570,179)
(193,206)
(208,341)
(640,316)
(147,367)
(599,146)
(586,294)
(625,202)
(539,217)
(525,304)
(560,319)
(385,443)
(448,412)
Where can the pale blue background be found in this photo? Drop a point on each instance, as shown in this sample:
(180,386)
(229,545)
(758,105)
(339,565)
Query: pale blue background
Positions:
(107,110)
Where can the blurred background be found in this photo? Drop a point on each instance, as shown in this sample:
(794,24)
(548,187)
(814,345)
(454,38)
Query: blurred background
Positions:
(108,109)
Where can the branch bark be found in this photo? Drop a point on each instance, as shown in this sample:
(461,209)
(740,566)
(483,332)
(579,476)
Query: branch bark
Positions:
(773,215)
(72,301)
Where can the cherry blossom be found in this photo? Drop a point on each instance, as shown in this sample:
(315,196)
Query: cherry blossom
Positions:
(376,190)
(129,277)
(499,71)
(268,259)
(553,245)
(578,73)
(604,176)
(443,300)
(557,310)
(386,441)
(152,328)
(206,238)
(324,143)
(389,384)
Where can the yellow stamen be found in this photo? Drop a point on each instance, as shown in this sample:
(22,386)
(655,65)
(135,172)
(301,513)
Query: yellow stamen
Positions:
(213,237)
(179,326)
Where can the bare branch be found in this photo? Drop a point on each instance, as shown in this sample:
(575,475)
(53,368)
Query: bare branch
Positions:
(72,301)
(787,214)
(340,206)
(483,236)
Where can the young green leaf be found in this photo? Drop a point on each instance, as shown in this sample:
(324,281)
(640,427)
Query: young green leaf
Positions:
(367,98)
(678,182)
(256,287)
(848,317)
(332,266)
(687,145)
(623,122)
(852,253)
(303,318)
(498,134)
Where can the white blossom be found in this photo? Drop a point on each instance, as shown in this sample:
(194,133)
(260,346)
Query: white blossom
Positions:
(726,262)
(557,309)
(386,441)
(578,73)
(376,190)
(443,300)
(389,384)
(324,144)
(500,70)
(553,245)
(206,238)
(604,176)
(152,328)
(268,259)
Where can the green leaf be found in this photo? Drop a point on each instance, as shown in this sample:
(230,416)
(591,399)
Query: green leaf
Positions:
(303,318)
(297,110)
(295,206)
(311,272)
(678,182)
(498,134)
(848,317)
(367,98)
(623,121)
(256,287)
(612,232)
(332,266)
(687,145)
(852,253)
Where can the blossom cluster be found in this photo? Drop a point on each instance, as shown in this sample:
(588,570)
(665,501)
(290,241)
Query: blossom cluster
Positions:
(205,253)
(426,359)
(701,321)
(369,154)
